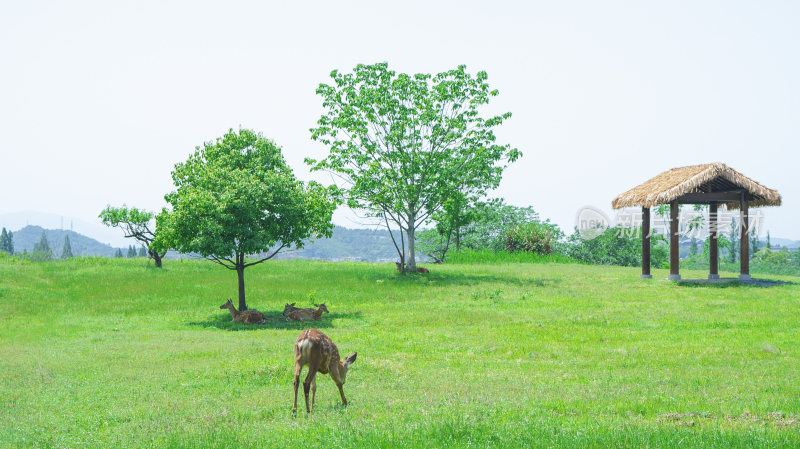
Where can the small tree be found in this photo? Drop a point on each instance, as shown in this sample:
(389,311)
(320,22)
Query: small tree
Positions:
(734,242)
(136,224)
(42,248)
(7,241)
(142,252)
(237,197)
(66,252)
(118,254)
(131,252)
(403,145)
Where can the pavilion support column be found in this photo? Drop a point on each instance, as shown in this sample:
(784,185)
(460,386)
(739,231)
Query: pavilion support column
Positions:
(713,257)
(744,272)
(646,243)
(674,257)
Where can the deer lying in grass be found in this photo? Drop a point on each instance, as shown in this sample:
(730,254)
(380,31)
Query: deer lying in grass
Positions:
(315,349)
(246,317)
(307,314)
(289,308)
(419,269)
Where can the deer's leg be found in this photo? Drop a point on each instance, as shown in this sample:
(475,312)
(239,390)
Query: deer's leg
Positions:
(341,393)
(297,369)
(313,392)
(312,371)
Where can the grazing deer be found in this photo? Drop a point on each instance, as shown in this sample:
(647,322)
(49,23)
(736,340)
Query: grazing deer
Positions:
(307,314)
(315,349)
(419,269)
(247,317)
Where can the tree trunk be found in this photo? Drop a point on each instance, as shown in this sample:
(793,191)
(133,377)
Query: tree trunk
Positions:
(240,274)
(411,263)
(156,257)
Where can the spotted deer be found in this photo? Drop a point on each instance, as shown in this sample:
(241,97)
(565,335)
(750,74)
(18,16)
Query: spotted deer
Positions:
(419,269)
(289,308)
(307,314)
(247,317)
(315,349)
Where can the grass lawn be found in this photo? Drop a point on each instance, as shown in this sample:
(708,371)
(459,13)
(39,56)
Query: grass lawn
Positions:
(115,353)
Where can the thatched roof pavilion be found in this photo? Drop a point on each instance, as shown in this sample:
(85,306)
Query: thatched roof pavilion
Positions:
(713,184)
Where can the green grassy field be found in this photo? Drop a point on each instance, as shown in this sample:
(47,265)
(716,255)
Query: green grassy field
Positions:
(113,353)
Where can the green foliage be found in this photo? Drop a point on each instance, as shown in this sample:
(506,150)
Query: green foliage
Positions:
(616,246)
(491,220)
(471,356)
(41,250)
(136,224)
(7,242)
(768,256)
(406,144)
(66,251)
(492,257)
(237,197)
(456,213)
(484,226)
(530,237)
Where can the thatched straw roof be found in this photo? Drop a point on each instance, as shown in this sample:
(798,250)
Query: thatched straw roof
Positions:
(705,178)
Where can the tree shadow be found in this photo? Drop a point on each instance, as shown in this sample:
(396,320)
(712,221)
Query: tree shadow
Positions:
(275,320)
(463,279)
(731,283)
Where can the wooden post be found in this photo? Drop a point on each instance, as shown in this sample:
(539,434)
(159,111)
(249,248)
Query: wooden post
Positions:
(646,243)
(744,273)
(674,257)
(713,257)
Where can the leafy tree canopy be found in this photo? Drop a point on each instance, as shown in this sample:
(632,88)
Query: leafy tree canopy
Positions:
(237,197)
(137,224)
(402,145)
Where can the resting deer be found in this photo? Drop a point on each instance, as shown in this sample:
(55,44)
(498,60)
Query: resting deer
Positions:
(419,269)
(289,308)
(307,314)
(246,317)
(315,349)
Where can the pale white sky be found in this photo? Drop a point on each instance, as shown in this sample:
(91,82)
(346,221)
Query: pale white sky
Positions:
(98,100)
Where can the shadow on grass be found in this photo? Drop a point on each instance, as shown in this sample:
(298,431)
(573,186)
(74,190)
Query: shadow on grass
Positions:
(731,283)
(275,320)
(462,279)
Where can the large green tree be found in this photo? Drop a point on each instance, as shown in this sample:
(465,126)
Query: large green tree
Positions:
(235,198)
(137,224)
(402,145)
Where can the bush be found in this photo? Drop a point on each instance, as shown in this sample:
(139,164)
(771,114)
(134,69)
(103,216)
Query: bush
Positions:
(530,237)
(488,256)
(616,246)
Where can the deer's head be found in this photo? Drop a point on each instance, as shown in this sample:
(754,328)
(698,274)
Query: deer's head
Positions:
(344,365)
(287,309)
(399,266)
(322,307)
(228,304)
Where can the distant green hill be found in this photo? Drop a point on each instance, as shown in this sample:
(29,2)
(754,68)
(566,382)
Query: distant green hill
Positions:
(349,244)
(345,244)
(25,238)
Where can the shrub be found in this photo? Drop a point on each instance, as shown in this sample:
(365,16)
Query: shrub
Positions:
(530,237)
(615,246)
